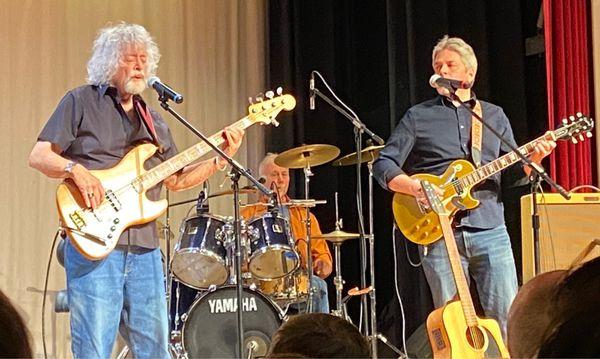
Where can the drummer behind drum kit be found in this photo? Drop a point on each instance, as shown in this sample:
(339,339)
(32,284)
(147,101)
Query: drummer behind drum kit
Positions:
(201,277)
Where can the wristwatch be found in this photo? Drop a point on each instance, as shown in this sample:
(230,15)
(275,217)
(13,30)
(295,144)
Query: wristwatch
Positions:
(69,167)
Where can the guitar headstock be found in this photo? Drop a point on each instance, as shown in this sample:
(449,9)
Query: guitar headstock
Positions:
(265,110)
(435,203)
(577,128)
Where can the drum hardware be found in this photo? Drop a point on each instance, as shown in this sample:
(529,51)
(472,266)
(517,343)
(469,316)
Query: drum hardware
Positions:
(371,153)
(306,157)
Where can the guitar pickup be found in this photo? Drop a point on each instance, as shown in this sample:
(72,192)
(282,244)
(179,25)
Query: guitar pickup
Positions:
(77,220)
(111,197)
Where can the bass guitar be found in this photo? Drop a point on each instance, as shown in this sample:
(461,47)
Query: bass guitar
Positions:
(95,233)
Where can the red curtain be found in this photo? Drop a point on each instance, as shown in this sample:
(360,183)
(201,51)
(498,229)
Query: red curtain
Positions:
(568,83)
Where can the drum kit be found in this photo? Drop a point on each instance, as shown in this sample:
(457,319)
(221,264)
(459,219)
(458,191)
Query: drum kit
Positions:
(201,280)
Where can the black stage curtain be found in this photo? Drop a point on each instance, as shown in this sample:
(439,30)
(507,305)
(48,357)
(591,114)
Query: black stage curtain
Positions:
(377,57)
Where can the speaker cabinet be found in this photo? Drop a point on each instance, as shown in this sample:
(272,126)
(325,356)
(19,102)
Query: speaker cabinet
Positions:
(566,228)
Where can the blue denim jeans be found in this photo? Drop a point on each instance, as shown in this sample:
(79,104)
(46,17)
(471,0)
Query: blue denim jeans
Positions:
(124,291)
(487,257)
(320,303)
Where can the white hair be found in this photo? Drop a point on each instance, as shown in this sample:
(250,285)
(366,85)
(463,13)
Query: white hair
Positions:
(266,161)
(108,48)
(458,45)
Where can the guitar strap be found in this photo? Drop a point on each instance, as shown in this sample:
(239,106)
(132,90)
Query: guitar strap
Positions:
(476,135)
(146,117)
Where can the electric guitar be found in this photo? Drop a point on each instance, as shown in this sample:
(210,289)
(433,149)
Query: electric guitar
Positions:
(454,330)
(95,233)
(421,226)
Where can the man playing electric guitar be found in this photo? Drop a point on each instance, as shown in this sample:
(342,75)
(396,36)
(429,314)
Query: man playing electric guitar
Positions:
(93,128)
(428,138)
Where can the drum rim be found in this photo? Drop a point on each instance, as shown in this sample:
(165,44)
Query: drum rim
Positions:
(279,311)
(196,250)
(263,250)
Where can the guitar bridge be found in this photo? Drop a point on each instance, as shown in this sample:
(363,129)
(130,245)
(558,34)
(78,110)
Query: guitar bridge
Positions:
(77,219)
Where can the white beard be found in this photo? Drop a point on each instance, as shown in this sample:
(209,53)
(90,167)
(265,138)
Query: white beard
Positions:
(135,86)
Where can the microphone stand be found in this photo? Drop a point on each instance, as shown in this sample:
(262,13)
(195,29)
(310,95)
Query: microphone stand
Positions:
(236,172)
(538,172)
(359,128)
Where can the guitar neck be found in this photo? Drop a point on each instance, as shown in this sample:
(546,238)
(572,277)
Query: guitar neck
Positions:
(484,172)
(462,287)
(182,159)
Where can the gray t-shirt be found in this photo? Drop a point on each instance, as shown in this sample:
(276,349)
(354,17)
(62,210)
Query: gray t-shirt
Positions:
(91,128)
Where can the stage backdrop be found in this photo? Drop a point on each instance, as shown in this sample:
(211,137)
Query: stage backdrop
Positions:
(213,52)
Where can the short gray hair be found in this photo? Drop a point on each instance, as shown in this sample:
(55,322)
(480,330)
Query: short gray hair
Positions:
(267,160)
(458,45)
(108,48)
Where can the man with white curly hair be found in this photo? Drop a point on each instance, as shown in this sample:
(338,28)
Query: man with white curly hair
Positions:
(92,128)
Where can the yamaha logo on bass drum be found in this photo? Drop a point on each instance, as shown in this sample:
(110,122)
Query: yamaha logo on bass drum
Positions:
(229,305)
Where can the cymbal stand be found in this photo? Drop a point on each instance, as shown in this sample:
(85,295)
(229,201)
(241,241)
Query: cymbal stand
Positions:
(309,263)
(338,281)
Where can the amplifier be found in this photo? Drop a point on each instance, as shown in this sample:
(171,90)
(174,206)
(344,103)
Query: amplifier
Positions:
(566,228)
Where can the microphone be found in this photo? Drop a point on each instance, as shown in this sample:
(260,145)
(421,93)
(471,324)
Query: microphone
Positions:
(311,87)
(164,91)
(437,81)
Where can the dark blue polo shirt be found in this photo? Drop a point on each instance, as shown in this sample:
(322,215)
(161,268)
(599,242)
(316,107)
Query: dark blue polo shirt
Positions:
(434,133)
(91,128)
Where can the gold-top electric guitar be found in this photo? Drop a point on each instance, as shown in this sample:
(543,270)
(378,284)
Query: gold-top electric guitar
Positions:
(421,226)
(454,330)
(95,233)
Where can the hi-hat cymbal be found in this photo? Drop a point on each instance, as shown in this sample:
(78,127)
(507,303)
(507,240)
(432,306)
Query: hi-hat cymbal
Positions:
(368,154)
(243,190)
(337,236)
(307,155)
(292,203)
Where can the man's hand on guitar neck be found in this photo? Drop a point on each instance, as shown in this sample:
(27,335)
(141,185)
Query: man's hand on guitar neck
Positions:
(411,186)
(542,149)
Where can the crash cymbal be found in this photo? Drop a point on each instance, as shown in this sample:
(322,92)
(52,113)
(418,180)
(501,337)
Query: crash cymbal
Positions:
(292,203)
(336,236)
(243,190)
(307,155)
(368,154)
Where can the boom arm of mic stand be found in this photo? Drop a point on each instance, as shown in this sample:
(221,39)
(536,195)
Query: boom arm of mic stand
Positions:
(355,121)
(534,166)
(233,163)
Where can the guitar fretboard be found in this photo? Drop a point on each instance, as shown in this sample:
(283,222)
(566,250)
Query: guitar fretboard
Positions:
(182,159)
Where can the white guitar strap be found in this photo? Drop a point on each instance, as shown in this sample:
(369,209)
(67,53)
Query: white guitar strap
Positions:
(476,135)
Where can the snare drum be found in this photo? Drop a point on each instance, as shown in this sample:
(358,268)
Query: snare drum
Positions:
(200,255)
(287,290)
(272,247)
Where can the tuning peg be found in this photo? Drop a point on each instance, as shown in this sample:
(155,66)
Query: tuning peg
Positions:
(572,118)
(564,121)
(581,138)
(574,140)
(260,97)
(270,94)
(588,134)
(250,100)
(579,115)
(279,91)
(274,122)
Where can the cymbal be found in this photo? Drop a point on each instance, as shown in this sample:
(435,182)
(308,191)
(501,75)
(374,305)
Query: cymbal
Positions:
(292,203)
(337,236)
(243,190)
(366,155)
(307,155)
